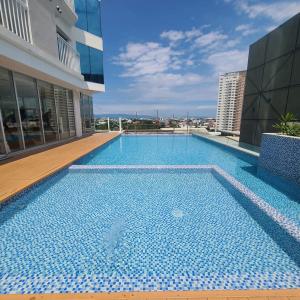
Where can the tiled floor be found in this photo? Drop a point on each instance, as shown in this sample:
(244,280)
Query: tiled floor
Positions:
(293,294)
(22,173)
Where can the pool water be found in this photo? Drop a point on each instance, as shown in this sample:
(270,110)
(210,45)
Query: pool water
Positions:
(187,149)
(139,230)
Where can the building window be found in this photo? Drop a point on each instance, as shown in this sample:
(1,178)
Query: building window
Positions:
(29,110)
(11,135)
(91,63)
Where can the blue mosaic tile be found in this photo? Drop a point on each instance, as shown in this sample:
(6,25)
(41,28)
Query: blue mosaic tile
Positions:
(280,154)
(144,228)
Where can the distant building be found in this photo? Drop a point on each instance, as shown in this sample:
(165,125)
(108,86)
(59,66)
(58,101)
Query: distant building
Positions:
(230,100)
(272,82)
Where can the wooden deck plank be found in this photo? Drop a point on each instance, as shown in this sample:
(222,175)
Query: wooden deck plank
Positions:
(292,294)
(17,175)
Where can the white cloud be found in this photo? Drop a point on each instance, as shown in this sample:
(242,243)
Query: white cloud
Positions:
(173,35)
(246,29)
(140,59)
(270,28)
(277,11)
(228,61)
(193,33)
(170,80)
(210,39)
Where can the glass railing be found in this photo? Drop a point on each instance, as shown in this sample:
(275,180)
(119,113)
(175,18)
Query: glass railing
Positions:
(14,16)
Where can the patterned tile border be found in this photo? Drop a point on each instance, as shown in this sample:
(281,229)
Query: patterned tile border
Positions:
(96,283)
(273,213)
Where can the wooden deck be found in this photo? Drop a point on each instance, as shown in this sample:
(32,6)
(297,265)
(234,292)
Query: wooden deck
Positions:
(22,173)
(293,294)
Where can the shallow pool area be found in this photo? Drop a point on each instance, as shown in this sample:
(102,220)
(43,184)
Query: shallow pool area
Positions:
(193,150)
(125,230)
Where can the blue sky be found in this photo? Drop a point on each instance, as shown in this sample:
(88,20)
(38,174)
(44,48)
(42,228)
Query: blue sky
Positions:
(167,54)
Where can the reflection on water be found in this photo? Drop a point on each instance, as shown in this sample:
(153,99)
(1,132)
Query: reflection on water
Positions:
(177,213)
(112,238)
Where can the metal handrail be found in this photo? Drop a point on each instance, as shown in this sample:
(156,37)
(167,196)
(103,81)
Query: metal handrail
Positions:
(67,54)
(14,16)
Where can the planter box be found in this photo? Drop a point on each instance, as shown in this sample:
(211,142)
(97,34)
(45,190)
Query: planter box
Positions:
(280,154)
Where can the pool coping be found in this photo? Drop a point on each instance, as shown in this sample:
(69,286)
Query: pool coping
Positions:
(283,294)
(284,222)
(240,149)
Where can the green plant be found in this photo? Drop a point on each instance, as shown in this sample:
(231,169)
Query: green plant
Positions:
(287,125)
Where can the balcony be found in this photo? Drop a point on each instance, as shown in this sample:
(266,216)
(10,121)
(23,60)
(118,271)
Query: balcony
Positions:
(14,16)
(67,54)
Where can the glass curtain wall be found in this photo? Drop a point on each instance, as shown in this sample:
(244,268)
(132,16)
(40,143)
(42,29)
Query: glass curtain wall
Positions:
(90,70)
(33,112)
(89,19)
(29,110)
(89,16)
(12,133)
(49,115)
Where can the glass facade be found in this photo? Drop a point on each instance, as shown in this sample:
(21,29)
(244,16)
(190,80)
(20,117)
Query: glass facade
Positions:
(29,110)
(33,113)
(272,81)
(87,114)
(89,16)
(91,63)
(91,59)
(11,131)
(49,115)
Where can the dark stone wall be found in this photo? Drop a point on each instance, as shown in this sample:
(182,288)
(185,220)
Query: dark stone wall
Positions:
(272,81)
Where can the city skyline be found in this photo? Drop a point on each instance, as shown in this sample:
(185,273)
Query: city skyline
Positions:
(168,57)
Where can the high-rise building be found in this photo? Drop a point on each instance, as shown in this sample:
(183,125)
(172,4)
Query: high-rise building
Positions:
(272,81)
(50,66)
(230,100)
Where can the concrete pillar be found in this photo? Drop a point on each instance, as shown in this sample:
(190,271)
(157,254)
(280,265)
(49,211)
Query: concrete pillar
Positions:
(120,124)
(108,125)
(78,123)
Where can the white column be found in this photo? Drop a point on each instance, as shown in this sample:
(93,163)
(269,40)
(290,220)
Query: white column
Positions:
(78,123)
(108,126)
(120,124)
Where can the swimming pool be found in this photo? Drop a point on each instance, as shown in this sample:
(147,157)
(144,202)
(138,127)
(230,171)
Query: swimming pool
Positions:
(136,228)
